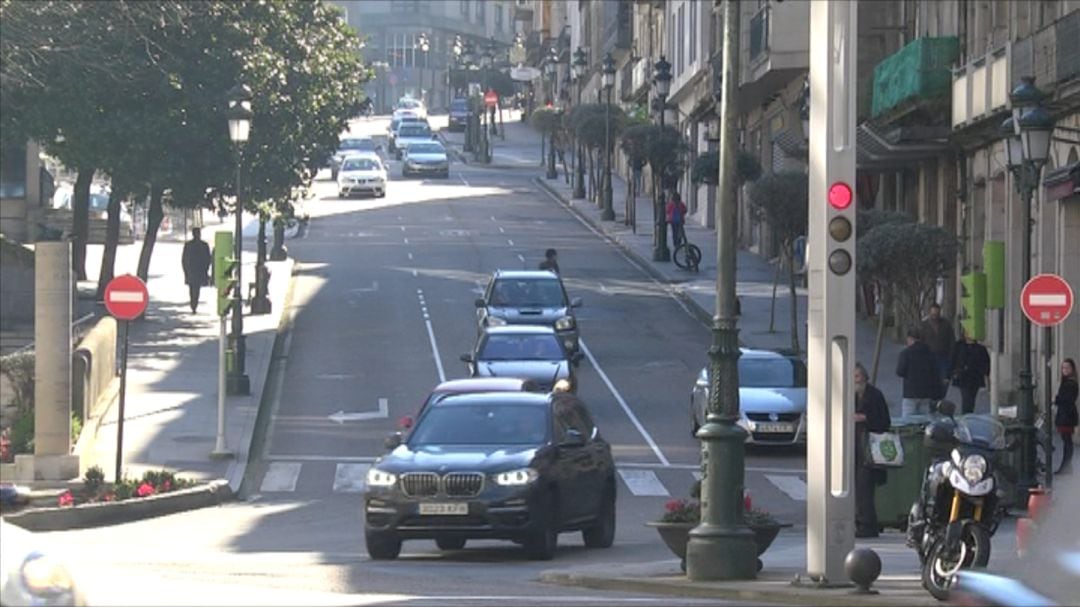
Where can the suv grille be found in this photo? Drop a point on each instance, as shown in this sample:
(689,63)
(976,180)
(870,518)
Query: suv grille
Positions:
(420,484)
(780,417)
(463,484)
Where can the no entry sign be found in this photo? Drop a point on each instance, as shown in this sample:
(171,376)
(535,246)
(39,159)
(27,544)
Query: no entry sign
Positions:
(126,297)
(491,98)
(1046,300)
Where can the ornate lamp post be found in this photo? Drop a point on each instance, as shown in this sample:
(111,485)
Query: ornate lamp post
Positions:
(608,213)
(580,66)
(424,44)
(468,57)
(662,83)
(239,114)
(1027,146)
(550,69)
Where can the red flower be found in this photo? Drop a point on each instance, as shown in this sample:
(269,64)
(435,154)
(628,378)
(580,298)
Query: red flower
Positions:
(65,499)
(673,505)
(144,490)
(166,486)
(108,497)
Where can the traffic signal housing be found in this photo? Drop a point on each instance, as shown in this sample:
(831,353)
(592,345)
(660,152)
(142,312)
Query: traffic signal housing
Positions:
(973,304)
(225,266)
(841,210)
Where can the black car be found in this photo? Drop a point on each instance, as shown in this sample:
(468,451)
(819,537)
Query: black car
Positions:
(529,297)
(531,352)
(517,466)
(459,114)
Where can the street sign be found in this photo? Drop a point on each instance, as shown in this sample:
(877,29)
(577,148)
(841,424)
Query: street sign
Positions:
(491,98)
(1046,300)
(524,73)
(126,297)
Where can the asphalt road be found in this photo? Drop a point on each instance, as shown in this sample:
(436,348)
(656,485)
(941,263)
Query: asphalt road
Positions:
(381,309)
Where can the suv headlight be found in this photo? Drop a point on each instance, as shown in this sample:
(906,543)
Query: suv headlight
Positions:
(565,323)
(378,478)
(45,577)
(974,468)
(495,321)
(516,478)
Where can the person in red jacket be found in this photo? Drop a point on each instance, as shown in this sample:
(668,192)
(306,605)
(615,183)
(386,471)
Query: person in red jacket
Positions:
(676,218)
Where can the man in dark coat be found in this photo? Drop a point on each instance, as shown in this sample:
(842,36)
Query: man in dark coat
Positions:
(919,369)
(196,260)
(938,334)
(551,261)
(871,415)
(970,369)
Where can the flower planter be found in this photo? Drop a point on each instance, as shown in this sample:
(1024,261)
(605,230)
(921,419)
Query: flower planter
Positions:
(677,535)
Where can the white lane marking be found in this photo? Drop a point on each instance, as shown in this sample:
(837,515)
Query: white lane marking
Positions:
(643,483)
(402,228)
(320,458)
(794,486)
(502,230)
(350,478)
(463,180)
(698,467)
(521,257)
(431,336)
(510,242)
(373,288)
(406,240)
(334,376)
(280,476)
(622,403)
(382,412)
(410,256)
(493,218)
(415,273)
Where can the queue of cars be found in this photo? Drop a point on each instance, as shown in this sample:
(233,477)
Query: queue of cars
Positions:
(510,452)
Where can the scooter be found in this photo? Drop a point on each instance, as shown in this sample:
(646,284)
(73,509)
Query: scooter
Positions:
(957,512)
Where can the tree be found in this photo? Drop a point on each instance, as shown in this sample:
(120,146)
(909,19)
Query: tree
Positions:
(904,260)
(547,121)
(781,200)
(589,122)
(707,168)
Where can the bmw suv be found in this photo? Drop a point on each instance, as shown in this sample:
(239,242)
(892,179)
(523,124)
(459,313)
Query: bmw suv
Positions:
(529,297)
(516,466)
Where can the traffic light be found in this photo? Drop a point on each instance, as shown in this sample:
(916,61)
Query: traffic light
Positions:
(840,213)
(973,304)
(224,271)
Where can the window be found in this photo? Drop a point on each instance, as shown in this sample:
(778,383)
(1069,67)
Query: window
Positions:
(693,33)
(498,18)
(481,13)
(13,171)
(465,8)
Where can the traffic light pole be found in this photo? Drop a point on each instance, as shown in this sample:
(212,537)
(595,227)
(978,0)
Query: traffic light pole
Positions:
(220,450)
(238,382)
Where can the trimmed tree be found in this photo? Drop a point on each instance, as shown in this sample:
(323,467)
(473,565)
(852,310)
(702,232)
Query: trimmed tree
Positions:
(781,200)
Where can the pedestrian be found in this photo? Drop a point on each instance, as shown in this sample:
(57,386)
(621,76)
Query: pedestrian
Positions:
(919,369)
(938,334)
(196,260)
(970,369)
(676,217)
(871,415)
(1066,418)
(551,261)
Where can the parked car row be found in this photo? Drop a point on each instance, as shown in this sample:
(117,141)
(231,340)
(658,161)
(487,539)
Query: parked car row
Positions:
(509,453)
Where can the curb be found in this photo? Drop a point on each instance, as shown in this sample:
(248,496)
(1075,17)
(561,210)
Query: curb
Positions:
(112,513)
(691,305)
(779,592)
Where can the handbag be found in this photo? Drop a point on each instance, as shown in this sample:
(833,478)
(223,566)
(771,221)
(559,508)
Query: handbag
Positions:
(884,450)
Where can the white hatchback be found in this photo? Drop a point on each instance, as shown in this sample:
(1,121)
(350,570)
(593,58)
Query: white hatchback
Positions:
(362,174)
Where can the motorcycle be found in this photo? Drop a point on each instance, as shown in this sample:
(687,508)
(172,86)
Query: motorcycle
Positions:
(957,513)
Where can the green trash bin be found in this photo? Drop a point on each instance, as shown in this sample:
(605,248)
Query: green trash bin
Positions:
(1008,468)
(893,499)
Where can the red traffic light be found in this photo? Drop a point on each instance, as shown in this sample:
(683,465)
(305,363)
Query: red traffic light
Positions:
(840,195)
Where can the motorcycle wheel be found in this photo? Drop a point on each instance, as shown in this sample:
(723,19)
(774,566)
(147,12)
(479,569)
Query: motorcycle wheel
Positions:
(939,569)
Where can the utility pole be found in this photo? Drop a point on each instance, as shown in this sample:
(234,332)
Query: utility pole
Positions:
(722,546)
(830,451)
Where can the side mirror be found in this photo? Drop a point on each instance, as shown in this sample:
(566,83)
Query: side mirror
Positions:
(466,358)
(480,303)
(576,302)
(405,422)
(393,441)
(573,439)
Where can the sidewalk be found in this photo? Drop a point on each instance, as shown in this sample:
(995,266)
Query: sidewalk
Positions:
(171,404)
(517,146)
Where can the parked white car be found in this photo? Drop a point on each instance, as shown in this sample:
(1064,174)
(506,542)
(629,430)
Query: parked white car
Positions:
(362,174)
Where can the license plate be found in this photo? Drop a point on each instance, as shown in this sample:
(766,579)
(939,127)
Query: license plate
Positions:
(778,427)
(458,509)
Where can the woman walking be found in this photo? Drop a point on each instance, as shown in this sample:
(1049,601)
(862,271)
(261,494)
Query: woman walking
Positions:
(871,415)
(1066,418)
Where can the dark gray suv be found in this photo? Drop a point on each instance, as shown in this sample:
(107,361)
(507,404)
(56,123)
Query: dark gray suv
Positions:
(529,297)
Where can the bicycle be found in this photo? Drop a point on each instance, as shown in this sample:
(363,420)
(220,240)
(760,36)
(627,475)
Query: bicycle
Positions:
(686,255)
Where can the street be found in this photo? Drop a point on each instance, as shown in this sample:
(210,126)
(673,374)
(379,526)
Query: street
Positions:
(381,308)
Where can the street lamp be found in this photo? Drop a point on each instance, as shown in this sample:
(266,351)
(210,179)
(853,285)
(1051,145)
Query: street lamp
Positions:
(662,83)
(580,65)
(487,58)
(1027,146)
(239,114)
(468,58)
(425,45)
(608,214)
(550,69)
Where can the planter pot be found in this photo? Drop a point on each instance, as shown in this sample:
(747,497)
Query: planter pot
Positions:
(677,535)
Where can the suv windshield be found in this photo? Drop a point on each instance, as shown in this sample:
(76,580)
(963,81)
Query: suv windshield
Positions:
(360,164)
(540,293)
(414,131)
(521,347)
(484,424)
(766,373)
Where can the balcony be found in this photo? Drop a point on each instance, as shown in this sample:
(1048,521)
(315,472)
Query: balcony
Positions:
(917,76)
(523,10)
(641,79)
(626,80)
(775,48)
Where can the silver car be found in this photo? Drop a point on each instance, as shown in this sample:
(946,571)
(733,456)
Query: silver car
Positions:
(772,398)
(531,352)
(423,157)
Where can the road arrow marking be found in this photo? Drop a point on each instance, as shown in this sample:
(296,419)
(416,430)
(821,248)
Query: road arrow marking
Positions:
(341,417)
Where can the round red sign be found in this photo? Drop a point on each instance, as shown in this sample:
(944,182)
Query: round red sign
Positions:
(491,98)
(126,297)
(1046,300)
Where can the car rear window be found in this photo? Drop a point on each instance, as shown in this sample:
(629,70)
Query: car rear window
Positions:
(414,131)
(459,104)
(357,144)
(482,424)
(521,347)
(766,373)
(426,148)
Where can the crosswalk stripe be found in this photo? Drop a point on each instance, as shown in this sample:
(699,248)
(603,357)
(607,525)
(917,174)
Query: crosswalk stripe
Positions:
(280,476)
(794,486)
(350,478)
(643,482)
